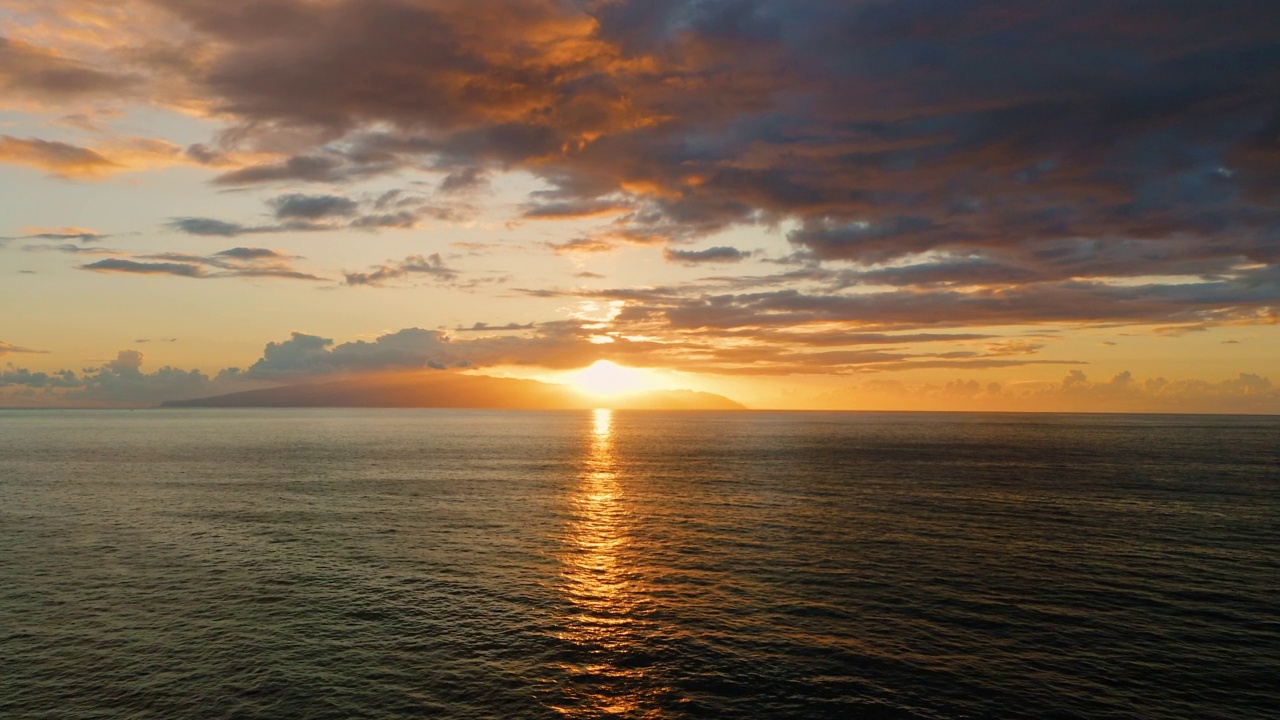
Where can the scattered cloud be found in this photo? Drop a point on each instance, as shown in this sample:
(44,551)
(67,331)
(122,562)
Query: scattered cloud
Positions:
(313,207)
(296,212)
(119,382)
(710,255)
(68,234)
(334,169)
(465,180)
(46,78)
(70,161)
(574,209)
(582,245)
(485,327)
(115,265)
(71,249)
(59,158)
(246,253)
(234,262)
(1244,393)
(432,266)
(207,227)
(10,349)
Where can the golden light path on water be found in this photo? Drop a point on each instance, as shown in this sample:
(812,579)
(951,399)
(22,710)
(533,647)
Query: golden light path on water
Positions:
(603,587)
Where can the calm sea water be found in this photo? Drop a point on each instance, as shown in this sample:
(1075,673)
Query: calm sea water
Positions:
(481,564)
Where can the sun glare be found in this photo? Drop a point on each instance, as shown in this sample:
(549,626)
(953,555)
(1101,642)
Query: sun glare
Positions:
(604,378)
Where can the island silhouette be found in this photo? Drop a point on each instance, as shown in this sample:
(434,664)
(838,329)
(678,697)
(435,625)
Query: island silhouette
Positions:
(443,389)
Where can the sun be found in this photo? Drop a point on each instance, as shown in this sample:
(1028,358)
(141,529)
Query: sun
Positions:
(604,378)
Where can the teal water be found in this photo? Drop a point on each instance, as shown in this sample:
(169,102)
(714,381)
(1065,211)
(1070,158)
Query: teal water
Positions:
(477,564)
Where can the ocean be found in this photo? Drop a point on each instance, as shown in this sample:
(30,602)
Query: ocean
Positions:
(493,564)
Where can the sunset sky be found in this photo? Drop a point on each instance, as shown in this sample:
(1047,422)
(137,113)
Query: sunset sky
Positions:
(857,204)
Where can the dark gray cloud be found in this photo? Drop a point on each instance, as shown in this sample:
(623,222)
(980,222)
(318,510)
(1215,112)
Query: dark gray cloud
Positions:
(204,154)
(312,355)
(710,255)
(122,381)
(485,327)
(71,249)
(330,168)
(464,180)
(34,73)
(431,266)
(26,378)
(85,236)
(296,212)
(234,262)
(245,253)
(1068,302)
(991,142)
(210,227)
(403,219)
(987,161)
(313,207)
(207,227)
(573,209)
(117,265)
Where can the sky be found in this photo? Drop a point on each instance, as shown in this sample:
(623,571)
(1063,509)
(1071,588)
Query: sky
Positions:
(1038,205)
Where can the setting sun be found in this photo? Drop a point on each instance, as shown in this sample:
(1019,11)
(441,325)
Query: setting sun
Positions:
(604,378)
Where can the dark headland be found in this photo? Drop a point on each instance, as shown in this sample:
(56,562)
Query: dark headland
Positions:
(435,389)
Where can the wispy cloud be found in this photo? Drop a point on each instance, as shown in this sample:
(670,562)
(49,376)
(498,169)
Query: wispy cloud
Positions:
(59,158)
(430,266)
(70,249)
(71,161)
(10,349)
(710,255)
(296,212)
(235,262)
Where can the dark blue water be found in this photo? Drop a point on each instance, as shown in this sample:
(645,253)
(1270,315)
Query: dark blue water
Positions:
(479,564)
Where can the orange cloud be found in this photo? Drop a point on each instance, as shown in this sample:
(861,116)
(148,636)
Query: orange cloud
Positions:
(116,155)
(59,158)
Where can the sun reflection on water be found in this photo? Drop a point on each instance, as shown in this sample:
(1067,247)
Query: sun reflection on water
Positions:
(602,587)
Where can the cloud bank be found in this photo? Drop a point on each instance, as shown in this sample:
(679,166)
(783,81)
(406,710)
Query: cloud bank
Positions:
(1043,149)
(307,358)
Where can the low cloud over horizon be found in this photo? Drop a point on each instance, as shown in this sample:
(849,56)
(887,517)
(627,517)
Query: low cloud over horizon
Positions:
(304,358)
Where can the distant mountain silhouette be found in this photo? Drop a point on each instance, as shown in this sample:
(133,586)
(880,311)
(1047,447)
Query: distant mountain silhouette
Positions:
(440,389)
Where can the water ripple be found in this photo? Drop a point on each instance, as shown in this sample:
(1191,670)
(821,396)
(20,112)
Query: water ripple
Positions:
(380,564)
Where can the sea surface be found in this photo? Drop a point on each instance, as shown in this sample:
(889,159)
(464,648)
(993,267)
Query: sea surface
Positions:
(492,564)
